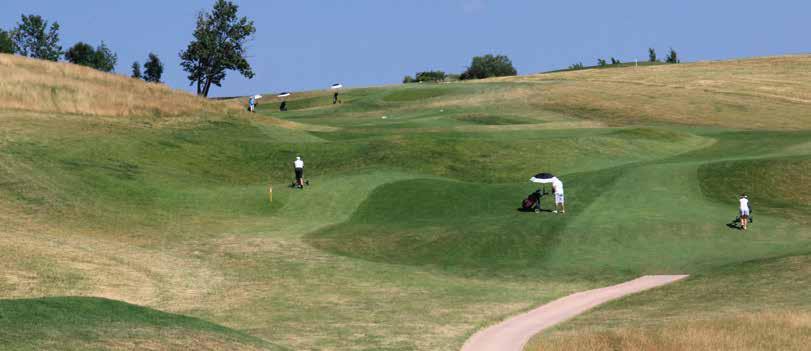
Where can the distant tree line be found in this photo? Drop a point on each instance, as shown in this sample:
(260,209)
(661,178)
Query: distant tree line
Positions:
(480,67)
(672,57)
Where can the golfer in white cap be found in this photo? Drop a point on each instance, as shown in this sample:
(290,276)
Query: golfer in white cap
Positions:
(299,166)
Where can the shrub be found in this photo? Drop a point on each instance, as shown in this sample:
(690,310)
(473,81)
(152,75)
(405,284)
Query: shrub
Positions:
(489,66)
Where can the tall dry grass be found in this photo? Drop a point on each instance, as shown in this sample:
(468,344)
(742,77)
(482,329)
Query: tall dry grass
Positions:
(762,93)
(750,331)
(63,88)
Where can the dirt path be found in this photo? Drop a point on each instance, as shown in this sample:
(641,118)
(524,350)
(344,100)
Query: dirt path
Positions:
(512,334)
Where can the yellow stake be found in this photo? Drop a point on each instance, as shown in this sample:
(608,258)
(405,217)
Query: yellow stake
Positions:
(270,192)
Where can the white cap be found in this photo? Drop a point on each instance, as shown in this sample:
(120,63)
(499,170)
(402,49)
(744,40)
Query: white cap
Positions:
(298,157)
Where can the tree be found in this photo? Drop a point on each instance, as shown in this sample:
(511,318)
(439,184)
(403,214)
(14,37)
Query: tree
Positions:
(489,66)
(601,62)
(218,46)
(31,39)
(430,76)
(104,59)
(615,61)
(6,44)
(81,54)
(652,55)
(100,58)
(672,57)
(153,69)
(136,70)
(576,66)
(408,79)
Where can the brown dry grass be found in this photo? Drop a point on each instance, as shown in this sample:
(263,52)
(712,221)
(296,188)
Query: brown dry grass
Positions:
(64,88)
(747,331)
(762,93)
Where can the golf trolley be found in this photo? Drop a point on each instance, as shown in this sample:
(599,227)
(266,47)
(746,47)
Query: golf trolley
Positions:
(533,201)
(294,184)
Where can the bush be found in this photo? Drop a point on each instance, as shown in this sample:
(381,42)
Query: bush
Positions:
(408,79)
(430,76)
(489,66)
(601,62)
(576,66)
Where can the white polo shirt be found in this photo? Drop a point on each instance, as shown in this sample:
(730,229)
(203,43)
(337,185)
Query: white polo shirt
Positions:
(299,163)
(744,204)
(558,185)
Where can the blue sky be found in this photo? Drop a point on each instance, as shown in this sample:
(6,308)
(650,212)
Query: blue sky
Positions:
(302,45)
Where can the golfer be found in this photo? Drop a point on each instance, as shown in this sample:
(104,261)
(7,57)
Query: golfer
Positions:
(252,104)
(744,207)
(299,167)
(557,187)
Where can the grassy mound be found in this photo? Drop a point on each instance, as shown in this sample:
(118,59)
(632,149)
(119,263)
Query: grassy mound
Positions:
(48,87)
(70,323)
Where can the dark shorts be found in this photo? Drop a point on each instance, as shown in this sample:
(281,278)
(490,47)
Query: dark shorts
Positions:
(299,173)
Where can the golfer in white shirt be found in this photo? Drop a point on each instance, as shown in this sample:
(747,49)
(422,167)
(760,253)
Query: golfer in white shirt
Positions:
(744,207)
(557,187)
(299,166)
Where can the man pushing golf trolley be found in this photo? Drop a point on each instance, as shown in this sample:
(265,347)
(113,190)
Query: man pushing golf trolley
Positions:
(533,201)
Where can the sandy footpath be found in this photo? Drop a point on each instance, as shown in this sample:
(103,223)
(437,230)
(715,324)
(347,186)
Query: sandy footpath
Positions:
(513,333)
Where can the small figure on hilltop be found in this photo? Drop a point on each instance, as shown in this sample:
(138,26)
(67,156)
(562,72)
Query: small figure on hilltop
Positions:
(335,98)
(298,164)
(557,188)
(252,104)
(745,210)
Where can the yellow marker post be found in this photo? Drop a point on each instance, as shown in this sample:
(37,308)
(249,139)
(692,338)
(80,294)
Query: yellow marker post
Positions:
(270,192)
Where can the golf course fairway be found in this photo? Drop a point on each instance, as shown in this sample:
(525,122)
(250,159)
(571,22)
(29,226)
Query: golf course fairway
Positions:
(131,223)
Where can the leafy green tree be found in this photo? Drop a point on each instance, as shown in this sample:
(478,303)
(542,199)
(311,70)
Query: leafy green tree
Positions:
(672,57)
(218,46)
(408,79)
(33,38)
(136,70)
(430,76)
(576,66)
(105,59)
(100,58)
(601,62)
(153,69)
(81,54)
(652,55)
(489,66)
(6,44)
(615,61)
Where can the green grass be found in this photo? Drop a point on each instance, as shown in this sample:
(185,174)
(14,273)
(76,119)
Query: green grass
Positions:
(70,323)
(409,235)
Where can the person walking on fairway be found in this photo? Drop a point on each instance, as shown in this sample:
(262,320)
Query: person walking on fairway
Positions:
(744,208)
(252,104)
(557,187)
(298,164)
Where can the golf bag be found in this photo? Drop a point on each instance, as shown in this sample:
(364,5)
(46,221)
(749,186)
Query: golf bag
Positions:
(532,200)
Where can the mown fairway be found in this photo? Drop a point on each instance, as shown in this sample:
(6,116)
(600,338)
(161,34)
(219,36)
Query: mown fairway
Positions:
(409,236)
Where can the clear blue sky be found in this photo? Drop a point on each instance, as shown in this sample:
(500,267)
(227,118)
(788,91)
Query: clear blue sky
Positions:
(303,44)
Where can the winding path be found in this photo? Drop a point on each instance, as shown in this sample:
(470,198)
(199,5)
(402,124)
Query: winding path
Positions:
(513,333)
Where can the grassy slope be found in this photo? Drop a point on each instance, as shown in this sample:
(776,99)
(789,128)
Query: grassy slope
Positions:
(70,323)
(408,237)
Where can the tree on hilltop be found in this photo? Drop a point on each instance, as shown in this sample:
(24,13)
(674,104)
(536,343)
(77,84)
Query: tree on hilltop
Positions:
(218,46)
(33,38)
(672,57)
(652,55)
(136,70)
(601,62)
(100,58)
(6,44)
(153,69)
(489,66)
